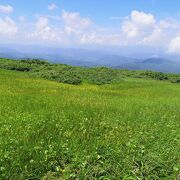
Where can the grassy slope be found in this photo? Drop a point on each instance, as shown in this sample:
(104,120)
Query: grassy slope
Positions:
(127,130)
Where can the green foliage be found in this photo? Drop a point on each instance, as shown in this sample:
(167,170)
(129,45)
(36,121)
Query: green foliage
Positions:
(63,76)
(175,80)
(14,65)
(100,75)
(155,75)
(35,61)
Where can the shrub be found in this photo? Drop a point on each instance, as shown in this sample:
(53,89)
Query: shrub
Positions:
(155,75)
(68,77)
(35,61)
(17,66)
(100,75)
(175,80)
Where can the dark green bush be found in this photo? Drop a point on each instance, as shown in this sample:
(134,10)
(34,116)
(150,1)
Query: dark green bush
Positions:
(17,66)
(35,61)
(100,75)
(22,65)
(68,77)
(175,80)
(155,75)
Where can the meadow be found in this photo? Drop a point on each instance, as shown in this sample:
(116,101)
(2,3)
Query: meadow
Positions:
(123,130)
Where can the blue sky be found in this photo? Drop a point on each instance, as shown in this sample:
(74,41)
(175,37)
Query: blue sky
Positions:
(116,23)
(98,10)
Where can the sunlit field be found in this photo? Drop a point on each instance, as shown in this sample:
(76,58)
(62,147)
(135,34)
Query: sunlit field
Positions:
(127,130)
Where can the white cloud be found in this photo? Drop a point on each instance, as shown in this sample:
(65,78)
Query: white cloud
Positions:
(174,45)
(6,9)
(138,24)
(72,28)
(162,34)
(101,39)
(142,19)
(74,23)
(153,39)
(43,31)
(7,27)
(143,29)
(81,30)
(52,6)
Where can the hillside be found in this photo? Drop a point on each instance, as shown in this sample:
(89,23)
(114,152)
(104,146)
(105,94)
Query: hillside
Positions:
(124,130)
(77,75)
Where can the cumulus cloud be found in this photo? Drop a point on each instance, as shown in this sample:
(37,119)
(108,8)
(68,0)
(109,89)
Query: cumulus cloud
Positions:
(174,45)
(43,31)
(74,23)
(71,28)
(52,6)
(6,9)
(7,27)
(138,24)
(144,29)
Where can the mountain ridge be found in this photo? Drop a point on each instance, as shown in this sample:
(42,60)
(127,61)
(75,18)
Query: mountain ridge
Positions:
(89,58)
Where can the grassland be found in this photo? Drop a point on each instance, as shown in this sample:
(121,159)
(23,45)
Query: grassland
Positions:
(126,130)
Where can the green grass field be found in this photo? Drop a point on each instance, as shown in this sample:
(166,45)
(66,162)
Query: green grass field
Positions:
(128,130)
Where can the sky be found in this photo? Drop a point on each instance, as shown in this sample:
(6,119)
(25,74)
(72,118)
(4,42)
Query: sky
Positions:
(149,24)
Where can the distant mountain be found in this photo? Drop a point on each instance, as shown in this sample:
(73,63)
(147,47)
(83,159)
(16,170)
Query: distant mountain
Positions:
(71,56)
(116,60)
(155,64)
(84,57)
(155,61)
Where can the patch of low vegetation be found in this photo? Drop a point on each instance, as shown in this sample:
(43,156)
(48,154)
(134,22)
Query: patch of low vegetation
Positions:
(77,75)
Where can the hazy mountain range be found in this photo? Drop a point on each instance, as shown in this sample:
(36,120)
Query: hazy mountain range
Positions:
(84,57)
